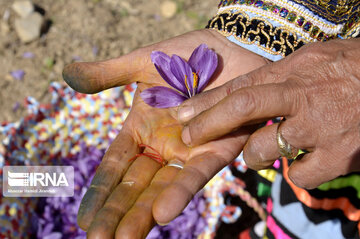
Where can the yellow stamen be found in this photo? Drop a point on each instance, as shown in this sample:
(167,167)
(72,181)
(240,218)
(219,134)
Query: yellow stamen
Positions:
(195,82)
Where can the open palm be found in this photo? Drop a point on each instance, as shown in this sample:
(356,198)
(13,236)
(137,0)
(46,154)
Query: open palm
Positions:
(125,196)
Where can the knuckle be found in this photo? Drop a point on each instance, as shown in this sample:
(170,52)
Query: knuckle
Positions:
(244,103)
(201,176)
(205,101)
(197,128)
(97,186)
(258,77)
(294,94)
(317,52)
(211,97)
(111,156)
(135,179)
(188,192)
(113,208)
(239,82)
(292,132)
(314,51)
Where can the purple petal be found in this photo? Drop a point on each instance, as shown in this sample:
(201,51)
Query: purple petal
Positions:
(54,235)
(154,233)
(28,54)
(16,106)
(196,56)
(203,62)
(95,50)
(162,97)
(76,58)
(182,71)
(18,74)
(162,64)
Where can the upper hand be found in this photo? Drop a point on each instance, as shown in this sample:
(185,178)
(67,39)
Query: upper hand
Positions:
(121,199)
(316,89)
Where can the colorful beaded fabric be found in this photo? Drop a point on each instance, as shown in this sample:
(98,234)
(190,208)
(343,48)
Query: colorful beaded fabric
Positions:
(274,29)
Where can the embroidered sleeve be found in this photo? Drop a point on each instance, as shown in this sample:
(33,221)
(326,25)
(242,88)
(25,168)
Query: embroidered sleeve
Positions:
(275,29)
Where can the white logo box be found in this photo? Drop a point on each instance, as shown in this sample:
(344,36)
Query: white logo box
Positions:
(38,181)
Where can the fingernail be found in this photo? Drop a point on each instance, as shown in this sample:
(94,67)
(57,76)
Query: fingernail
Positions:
(185,113)
(185,136)
(163,224)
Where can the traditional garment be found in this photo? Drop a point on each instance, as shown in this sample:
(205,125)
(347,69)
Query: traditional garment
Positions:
(277,28)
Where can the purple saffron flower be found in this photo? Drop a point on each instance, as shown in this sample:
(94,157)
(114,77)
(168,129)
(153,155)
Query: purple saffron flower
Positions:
(76,58)
(18,74)
(28,55)
(186,78)
(16,106)
(95,50)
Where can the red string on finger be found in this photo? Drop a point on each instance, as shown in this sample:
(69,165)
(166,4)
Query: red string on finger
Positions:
(155,156)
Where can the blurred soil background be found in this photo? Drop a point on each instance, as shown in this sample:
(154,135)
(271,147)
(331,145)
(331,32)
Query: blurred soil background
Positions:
(39,37)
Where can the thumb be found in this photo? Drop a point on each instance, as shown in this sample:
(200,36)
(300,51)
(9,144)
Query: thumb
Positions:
(93,77)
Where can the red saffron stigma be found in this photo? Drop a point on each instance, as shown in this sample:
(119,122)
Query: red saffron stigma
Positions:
(155,156)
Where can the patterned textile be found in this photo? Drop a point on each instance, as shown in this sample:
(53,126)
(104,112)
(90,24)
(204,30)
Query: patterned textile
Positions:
(275,29)
(330,211)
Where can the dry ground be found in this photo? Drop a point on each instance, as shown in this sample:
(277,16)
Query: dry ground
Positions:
(78,28)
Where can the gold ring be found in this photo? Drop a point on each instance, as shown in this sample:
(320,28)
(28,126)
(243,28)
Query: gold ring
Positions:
(285,149)
(176,164)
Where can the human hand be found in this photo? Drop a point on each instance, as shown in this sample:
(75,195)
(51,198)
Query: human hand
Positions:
(122,194)
(316,89)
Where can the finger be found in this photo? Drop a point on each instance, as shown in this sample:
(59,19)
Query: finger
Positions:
(107,176)
(271,73)
(139,220)
(245,105)
(196,173)
(310,171)
(93,77)
(261,149)
(326,163)
(173,200)
(134,182)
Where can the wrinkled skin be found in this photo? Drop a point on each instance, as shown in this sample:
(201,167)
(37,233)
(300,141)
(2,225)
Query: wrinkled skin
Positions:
(316,88)
(126,198)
